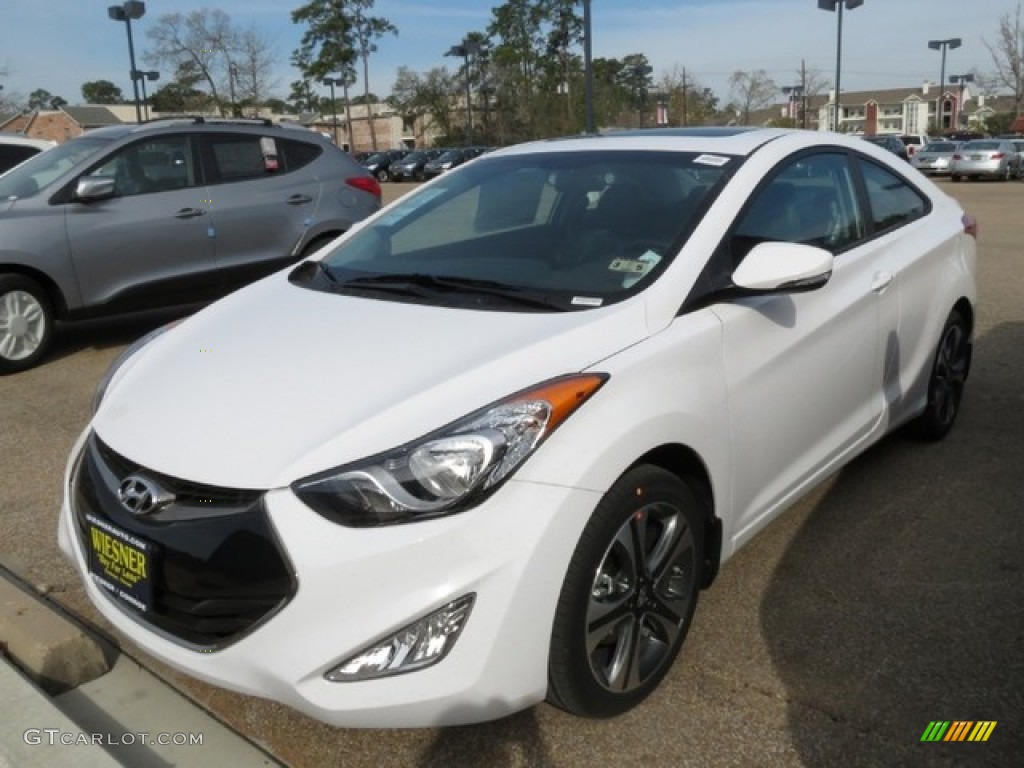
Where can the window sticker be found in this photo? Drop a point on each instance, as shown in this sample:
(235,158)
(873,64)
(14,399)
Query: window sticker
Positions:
(716,160)
(587,301)
(635,269)
(268,148)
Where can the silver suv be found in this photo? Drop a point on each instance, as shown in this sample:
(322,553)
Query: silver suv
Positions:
(134,217)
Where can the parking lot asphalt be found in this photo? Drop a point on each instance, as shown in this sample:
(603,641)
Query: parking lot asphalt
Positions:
(891,597)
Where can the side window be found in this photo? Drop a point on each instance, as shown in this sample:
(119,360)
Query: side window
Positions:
(810,200)
(238,156)
(295,154)
(893,201)
(153,165)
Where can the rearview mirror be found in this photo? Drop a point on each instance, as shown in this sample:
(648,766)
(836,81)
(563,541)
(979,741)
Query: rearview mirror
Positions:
(783,267)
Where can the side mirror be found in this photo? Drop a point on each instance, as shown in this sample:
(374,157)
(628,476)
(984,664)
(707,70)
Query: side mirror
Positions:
(92,188)
(783,268)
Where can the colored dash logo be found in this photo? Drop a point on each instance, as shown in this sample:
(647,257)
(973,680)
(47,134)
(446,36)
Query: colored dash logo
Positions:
(958,730)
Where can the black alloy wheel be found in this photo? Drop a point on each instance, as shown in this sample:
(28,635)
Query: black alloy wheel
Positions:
(950,369)
(629,595)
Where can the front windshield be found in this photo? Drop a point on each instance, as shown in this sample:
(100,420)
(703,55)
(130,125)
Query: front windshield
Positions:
(573,230)
(40,171)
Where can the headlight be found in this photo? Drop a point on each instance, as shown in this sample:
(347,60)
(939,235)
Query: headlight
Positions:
(449,470)
(121,359)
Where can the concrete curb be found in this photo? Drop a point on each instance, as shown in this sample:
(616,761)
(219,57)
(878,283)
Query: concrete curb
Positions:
(52,651)
(71,698)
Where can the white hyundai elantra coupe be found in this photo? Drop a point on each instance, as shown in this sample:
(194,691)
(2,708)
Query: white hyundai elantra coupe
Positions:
(487,448)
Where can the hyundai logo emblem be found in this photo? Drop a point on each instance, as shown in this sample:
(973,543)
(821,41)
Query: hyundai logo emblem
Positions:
(140,495)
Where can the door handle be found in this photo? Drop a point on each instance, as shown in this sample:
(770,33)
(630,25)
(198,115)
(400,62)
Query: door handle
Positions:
(881,281)
(299,199)
(189,213)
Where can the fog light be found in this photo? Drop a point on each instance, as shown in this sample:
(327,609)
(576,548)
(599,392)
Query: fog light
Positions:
(414,647)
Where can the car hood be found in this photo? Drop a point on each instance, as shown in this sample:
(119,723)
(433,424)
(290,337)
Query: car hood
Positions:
(277,382)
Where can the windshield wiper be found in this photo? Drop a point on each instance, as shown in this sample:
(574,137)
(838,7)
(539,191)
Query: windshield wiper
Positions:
(423,285)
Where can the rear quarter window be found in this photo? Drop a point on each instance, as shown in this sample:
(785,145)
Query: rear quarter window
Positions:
(892,202)
(295,154)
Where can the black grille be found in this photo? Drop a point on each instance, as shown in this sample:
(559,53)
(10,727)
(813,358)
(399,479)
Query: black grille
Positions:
(219,568)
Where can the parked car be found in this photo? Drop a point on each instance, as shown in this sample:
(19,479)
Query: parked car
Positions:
(488,447)
(994,158)
(914,142)
(170,212)
(411,167)
(936,157)
(453,158)
(961,136)
(15,149)
(1018,145)
(891,144)
(379,163)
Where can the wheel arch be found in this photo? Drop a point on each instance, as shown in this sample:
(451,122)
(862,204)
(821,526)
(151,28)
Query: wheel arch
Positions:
(686,464)
(312,241)
(53,292)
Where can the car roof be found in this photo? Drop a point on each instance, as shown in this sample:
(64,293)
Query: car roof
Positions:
(728,140)
(25,141)
(174,124)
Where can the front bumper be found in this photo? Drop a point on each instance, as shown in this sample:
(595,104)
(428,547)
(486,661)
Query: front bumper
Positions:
(356,586)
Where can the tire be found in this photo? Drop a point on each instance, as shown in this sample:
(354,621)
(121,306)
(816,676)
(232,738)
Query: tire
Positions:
(954,177)
(1007,173)
(26,323)
(629,595)
(950,368)
(382,175)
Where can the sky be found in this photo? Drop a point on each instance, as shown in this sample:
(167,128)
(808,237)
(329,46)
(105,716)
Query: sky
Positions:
(60,44)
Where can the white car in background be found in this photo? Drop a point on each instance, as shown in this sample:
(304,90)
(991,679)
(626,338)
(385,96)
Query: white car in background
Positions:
(488,447)
(15,149)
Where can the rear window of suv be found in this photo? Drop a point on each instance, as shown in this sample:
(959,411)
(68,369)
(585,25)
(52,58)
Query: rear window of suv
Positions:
(236,157)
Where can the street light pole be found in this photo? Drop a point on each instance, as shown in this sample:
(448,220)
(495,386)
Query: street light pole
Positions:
(130,9)
(961,79)
(588,71)
(333,81)
(833,5)
(464,50)
(142,77)
(936,45)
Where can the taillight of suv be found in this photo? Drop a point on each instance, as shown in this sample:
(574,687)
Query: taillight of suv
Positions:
(366,184)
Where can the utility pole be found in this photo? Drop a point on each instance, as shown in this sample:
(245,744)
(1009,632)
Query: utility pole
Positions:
(685,86)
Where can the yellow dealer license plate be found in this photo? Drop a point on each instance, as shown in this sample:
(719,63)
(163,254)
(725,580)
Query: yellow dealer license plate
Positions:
(121,563)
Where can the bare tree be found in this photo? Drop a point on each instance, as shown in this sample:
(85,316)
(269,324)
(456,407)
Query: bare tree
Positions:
(219,53)
(1008,55)
(689,102)
(753,91)
(416,96)
(253,61)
